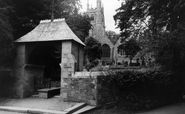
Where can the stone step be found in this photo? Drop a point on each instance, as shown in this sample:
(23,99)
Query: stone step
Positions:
(75,108)
(48,92)
(57,96)
(84,109)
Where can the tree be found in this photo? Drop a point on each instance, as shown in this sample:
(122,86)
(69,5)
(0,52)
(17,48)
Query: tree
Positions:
(113,36)
(6,38)
(163,20)
(92,51)
(27,15)
(80,24)
(130,48)
(160,19)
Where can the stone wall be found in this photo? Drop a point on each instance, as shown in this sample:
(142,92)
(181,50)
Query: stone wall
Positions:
(87,88)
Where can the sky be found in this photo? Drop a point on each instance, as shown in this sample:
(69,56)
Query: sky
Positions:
(109,11)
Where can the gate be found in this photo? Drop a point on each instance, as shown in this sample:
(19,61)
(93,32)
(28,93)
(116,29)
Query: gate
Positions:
(41,82)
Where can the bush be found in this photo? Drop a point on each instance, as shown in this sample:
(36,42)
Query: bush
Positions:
(92,64)
(136,90)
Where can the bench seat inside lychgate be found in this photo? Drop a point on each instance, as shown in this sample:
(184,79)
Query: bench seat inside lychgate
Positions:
(49,92)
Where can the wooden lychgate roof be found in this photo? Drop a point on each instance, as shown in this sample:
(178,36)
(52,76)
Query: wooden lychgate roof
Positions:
(57,30)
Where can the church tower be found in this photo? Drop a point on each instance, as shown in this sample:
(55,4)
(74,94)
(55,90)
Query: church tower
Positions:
(96,14)
(98,29)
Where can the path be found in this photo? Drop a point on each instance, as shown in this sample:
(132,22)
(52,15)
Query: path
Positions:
(37,103)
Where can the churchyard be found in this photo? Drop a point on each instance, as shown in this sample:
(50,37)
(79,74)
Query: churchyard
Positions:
(50,50)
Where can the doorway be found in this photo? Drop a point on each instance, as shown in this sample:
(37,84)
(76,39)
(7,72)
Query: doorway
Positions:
(49,57)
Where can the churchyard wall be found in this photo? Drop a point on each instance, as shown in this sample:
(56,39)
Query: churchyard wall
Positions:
(88,87)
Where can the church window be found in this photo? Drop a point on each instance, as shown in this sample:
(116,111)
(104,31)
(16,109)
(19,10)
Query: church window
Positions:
(92,17)
(105,50)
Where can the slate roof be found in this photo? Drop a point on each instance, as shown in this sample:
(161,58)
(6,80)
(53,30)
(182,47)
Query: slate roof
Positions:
(58,30)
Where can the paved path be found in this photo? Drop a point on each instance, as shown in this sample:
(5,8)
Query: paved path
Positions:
(37,103)
(174,109)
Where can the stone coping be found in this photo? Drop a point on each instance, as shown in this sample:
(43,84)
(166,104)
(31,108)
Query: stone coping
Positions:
(95,74)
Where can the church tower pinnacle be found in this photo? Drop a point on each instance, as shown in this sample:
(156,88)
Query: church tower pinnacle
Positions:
(87,5)
(98,4)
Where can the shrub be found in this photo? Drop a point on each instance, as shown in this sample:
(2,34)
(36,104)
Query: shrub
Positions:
(92,64)
(141,90)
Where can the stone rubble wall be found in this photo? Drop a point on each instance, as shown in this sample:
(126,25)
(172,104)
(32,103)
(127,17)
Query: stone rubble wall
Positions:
(89,89)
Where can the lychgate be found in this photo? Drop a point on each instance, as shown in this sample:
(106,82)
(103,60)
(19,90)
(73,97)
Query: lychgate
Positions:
(50,51)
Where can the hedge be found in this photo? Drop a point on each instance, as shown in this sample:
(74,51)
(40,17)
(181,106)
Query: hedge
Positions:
(136,90)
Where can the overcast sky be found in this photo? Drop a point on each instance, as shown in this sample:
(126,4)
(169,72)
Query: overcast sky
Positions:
(109,11)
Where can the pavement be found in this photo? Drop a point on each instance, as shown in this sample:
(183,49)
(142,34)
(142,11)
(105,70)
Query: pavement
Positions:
(8,112)
(35,105)
(56,105)
(173,109)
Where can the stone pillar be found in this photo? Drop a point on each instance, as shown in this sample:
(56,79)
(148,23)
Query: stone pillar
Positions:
(67,66)
(19,71)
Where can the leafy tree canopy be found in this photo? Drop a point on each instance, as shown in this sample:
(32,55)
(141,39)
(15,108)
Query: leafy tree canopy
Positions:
(92,49)
(130,48)
(28,13)
(80,24)
(161,23)
(153,14)
(113,36)
(158,23)
(6,38)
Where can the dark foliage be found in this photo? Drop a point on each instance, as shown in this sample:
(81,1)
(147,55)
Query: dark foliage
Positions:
(27,15)
(92,52)
(130,48)
(112,36)
(6,38)
(92,49)
(80,24)
(161,23)
(136,90)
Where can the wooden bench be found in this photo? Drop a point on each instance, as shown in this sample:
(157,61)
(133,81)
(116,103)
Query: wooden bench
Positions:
(49,92)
